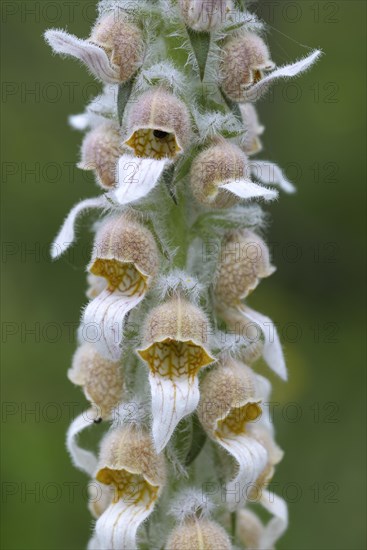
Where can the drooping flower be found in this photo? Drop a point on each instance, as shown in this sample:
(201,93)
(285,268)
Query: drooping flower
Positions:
(247,70)
(158,125)
(220,177)
(198,534)
(244,261)
(100,378)
(244,61)
(251,531)
(128,463)
(253,129)
(114,51)
(230,402)
(175,336)
(205,15)
(126,255)
(101,150)
(272,348)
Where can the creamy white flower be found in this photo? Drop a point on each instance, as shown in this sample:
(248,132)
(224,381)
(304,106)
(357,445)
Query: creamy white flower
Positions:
(158,125)
(174,339)
(231,396)
(129,463)
(113,53)
(220,177)
(126,255)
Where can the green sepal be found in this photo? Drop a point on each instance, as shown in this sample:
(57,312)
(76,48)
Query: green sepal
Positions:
(168,178)
(234,107)
(241,4)
(198,440)
(200,42)
(123,96)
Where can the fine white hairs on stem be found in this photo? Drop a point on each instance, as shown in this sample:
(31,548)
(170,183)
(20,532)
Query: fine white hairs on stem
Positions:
(190,503)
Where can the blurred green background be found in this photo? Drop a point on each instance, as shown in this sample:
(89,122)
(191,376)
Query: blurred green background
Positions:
(315,130)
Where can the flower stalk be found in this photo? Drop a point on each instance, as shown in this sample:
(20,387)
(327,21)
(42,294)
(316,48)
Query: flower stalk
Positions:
(169,141)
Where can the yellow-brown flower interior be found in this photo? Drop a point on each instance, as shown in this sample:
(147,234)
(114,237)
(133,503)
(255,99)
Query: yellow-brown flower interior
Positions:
(122,275)
(174,358)
(133,488)
(154,143)
(237,418)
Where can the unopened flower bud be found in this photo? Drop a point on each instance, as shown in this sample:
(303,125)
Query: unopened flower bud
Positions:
(230,398)
(159,125)
(129,462)
(197,534)
(125,253)
(205,15)
(174,338)
(101,379)
(244,60)
(244,261)
(253,129)
(122,41)
(214,167)
(101,150)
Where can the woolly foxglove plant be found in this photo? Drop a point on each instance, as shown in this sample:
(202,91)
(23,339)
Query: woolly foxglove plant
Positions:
(167,342)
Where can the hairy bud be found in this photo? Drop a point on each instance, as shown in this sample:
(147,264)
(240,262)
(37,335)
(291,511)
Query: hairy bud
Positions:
(159,125)
(244,262)
(122,41)
(244,60)
(125,253)
(101,150)
(101,379)
(205,15)
(196,534)
(217,165)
